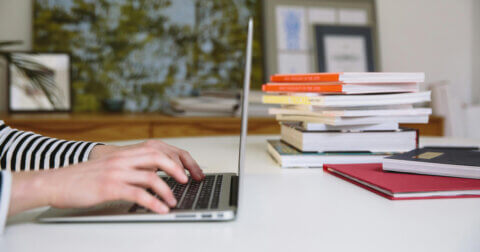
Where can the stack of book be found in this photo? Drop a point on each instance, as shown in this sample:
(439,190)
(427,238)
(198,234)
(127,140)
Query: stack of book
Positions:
(427,173)
(344,117)
(206,104)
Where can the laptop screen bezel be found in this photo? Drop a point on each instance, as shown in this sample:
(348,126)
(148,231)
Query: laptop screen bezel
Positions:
(244,107)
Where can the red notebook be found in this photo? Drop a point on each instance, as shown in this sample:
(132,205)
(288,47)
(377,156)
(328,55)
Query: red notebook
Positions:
(402,186)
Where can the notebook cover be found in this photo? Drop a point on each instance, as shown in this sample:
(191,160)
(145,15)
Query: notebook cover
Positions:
(443,156)
(310,77)
(402,182)
(302,88)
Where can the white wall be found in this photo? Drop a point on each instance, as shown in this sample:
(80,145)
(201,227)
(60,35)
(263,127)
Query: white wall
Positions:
(431,36)
(15,24)
(16,21)
(476,53)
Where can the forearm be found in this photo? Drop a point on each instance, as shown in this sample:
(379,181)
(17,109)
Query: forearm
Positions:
(29,190)
(102,150)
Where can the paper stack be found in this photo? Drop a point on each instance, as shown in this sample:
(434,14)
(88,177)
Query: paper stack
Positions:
(206,104)
(345,115)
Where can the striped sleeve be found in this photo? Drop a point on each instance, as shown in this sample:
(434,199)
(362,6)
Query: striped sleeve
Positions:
(27,151)
(5,185)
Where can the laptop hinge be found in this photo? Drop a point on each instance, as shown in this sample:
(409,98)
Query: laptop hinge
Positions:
(234,191)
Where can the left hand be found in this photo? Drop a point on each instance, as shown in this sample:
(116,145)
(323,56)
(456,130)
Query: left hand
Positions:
(181,157)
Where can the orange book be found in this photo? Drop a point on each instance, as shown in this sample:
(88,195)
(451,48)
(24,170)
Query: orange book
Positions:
(312,77)
(339,87)
(363,77)
(302,88)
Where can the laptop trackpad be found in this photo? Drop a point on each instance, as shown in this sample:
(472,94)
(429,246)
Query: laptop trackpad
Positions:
(109,208)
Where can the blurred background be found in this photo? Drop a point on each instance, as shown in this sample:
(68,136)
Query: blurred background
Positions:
(139,67)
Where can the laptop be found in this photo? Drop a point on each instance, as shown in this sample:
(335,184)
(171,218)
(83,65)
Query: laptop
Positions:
(213,199)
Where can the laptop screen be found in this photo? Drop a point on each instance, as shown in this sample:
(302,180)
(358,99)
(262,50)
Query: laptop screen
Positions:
(246,89)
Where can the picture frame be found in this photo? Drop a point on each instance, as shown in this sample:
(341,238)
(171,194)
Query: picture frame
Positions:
(39,82)
(344,49)
(299,55)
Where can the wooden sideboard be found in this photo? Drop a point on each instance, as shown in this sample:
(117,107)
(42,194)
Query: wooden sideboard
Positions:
(115,127)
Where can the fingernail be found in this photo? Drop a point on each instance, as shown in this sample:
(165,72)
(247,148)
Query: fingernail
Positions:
(173,202)
(163,209)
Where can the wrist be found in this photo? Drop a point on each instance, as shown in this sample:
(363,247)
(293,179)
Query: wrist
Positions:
(29,190)
(101,150)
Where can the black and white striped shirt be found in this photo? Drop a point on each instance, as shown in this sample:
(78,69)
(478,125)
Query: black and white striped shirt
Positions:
(27,151)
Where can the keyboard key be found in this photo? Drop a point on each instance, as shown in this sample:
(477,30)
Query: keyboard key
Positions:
(216,192)
(189,199)
(205,193)
(179,190)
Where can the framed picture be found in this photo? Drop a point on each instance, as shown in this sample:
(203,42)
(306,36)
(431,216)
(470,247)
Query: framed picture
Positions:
(39,82)
(289,30)
(344,49)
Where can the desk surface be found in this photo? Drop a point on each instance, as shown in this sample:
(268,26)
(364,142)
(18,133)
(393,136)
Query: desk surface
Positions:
(283,210)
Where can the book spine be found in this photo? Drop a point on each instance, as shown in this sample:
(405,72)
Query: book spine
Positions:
(303,88)
(417,138)
(319,77)
(294,100)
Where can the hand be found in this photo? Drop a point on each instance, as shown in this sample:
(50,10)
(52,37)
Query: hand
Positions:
(123,174)
(181,157)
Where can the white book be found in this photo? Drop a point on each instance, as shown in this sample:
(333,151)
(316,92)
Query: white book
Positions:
(381,77)
(320,108)
(289,157)
(367,127)
(352,77)
(371,88)
(352,113)
(373,141)
(337,121)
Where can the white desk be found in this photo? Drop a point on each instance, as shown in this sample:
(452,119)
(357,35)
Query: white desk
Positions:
(283,210)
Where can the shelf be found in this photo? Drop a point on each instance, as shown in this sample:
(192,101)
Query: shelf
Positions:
(116,127)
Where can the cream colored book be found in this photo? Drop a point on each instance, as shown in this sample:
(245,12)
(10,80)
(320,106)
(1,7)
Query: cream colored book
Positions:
(352,113)
(337,121)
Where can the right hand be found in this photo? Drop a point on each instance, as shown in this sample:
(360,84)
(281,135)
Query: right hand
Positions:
(123,175)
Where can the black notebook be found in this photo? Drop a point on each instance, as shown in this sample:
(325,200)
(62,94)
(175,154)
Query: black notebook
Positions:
(439,162)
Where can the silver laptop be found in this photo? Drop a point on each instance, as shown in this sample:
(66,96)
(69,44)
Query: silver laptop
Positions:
(213,199)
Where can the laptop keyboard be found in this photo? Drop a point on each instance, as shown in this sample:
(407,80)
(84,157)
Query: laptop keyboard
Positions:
(194,194)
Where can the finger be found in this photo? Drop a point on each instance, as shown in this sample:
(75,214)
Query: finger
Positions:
(152,161)
(142,197)
(134,150)
(174,156)
(153,181)
(191,165)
